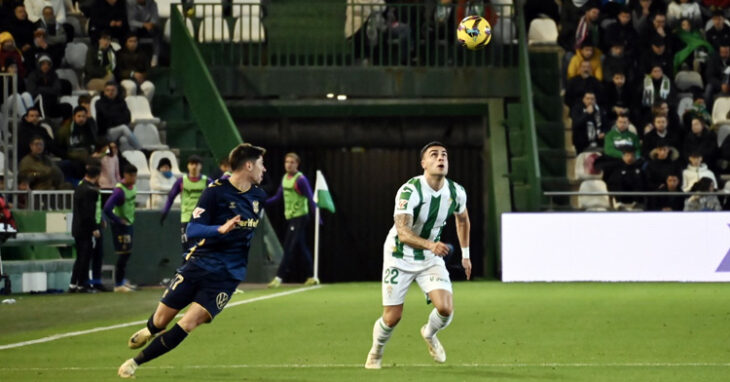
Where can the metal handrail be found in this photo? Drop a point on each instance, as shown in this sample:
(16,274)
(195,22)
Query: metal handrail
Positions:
(56,200)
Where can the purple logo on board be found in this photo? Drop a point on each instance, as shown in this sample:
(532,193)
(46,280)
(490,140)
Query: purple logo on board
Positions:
(725,263)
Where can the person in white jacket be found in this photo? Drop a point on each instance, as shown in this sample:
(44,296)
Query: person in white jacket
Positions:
(695,171)
(684,9)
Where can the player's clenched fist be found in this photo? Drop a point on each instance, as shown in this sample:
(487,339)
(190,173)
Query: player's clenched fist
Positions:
(229,225)
(439,249)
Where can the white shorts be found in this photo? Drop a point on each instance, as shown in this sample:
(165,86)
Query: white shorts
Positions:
(396,282)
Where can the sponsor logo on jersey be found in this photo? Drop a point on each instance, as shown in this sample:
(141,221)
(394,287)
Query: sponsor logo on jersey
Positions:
(232,205)
(197,212)
(221,300)
(249,223)
(402,204)
(255,204)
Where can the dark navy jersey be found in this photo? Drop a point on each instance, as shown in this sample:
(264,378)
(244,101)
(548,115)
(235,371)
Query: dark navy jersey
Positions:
(224,253)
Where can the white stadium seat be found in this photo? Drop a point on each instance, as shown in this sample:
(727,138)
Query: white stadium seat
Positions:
(214,29)
(148,137)
(543,31)
(723,131)
(248,30)
(720,109)
(188,25)
(583,164)
(140,109)
(137,159)
(591,202)
(75,55)
(687,79)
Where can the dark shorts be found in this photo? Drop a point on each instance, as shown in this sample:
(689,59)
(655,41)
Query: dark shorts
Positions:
(194,284)
(122,236)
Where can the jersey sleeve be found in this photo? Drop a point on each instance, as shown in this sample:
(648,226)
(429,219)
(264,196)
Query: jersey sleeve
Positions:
(201,224)
(406,200)
(460,199)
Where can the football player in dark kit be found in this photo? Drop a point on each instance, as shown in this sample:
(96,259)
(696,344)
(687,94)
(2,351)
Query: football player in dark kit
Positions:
(222,227)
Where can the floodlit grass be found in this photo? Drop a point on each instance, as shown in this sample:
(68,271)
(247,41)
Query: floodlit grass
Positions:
(501,332)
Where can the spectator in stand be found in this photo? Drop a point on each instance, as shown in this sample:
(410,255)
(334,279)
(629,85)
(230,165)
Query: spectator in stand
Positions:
(101,62)
(108,154)
(78,137)
(684,9)
(617,61)
(620,137)
(44,82)
(133,67)
(656,87)
(717,72)
(21,28)
(627,176)
(55,35)
(641,17)
(54,16)
(111,16)
(668,202)
(691,44)
(31,127)
(618,98)
(657,28)
(663,161)
(40,48)
(570,13)
(588,30)
(703,202)
(657,54)
(162,180)
(85,101)
(719,31)
(698,109)
(40,170)
(621,33)
(144,21)
(10,52)
(724,156)
(695,171)
(581,84)
(701,140)
(113,117)
(658,131)
(587,52)
(588,124)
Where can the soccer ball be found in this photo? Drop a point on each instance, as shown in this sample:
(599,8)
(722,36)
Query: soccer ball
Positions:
(474,32)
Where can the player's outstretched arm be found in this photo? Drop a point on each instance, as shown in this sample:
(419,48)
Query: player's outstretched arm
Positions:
(404,226)
(463,227)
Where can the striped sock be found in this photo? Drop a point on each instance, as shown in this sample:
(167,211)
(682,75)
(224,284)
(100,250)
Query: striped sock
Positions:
(436,322)
(381,335)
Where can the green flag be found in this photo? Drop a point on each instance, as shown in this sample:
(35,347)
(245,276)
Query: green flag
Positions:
(322,194)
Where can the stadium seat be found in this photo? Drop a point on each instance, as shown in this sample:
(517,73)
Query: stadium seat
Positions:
(591,202)
(71,76)
(543,31)
(93,106)
(75,55)
(248,30)
(163,8)
(158,200)
(72,100)
(246,8)
(208,8)
(584,168)
(684,104)
(2,163)
(137,159)
(214,29)
(687,79)
(21,102)
(140,109)
(720,109)
(148,137)
(723,131)
(188,24)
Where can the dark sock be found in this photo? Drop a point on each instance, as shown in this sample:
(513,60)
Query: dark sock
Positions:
(151,326)
(121,268)
(162,344)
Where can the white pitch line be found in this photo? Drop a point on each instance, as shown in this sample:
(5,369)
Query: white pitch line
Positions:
(424,365)
(133,323)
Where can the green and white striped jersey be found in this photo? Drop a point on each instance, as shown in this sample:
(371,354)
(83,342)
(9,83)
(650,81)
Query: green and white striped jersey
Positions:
(429,209)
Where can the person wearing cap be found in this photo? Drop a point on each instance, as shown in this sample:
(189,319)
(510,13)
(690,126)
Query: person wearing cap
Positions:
(587,52)
(717,72)
(101,62)
(44,82)
(132,69)
(659,129)
(663,161)
(191,186)
(9,53)
(719,31)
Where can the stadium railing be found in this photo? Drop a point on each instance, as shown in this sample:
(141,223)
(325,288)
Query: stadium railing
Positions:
(9,120)
(52,200)
(365,32)
(645,195)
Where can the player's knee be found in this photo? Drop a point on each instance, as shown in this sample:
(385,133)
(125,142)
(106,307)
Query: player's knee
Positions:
(391,320)
(445,310)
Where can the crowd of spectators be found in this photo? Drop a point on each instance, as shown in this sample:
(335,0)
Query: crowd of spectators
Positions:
(123,44)
(640,80)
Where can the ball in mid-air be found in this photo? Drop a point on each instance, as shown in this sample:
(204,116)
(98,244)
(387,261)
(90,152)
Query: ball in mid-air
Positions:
(474,32)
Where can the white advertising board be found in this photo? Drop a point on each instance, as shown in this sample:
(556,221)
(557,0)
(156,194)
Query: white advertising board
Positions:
(631,246)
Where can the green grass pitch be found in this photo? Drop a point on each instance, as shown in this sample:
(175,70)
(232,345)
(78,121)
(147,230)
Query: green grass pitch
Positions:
(501,332)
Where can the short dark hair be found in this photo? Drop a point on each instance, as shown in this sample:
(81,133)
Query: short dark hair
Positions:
(194,159)
(223,161)
(37,137)
(93,170)
(429,145)
(84,98)
(164,161)
(78,109)
(245,152)
(129,169)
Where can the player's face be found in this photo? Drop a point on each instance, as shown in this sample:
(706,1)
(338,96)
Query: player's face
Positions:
(435,161)
(129,180)
(257,170)
(194,169)
(291,165)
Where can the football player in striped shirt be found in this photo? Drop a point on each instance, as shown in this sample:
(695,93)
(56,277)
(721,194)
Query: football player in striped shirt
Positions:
(413,251)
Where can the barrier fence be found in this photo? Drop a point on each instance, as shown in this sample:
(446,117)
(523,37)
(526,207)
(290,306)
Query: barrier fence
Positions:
(54,200)
(364,32)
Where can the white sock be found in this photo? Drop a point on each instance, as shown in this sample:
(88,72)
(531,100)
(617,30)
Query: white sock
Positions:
(436,322)
(381,335)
